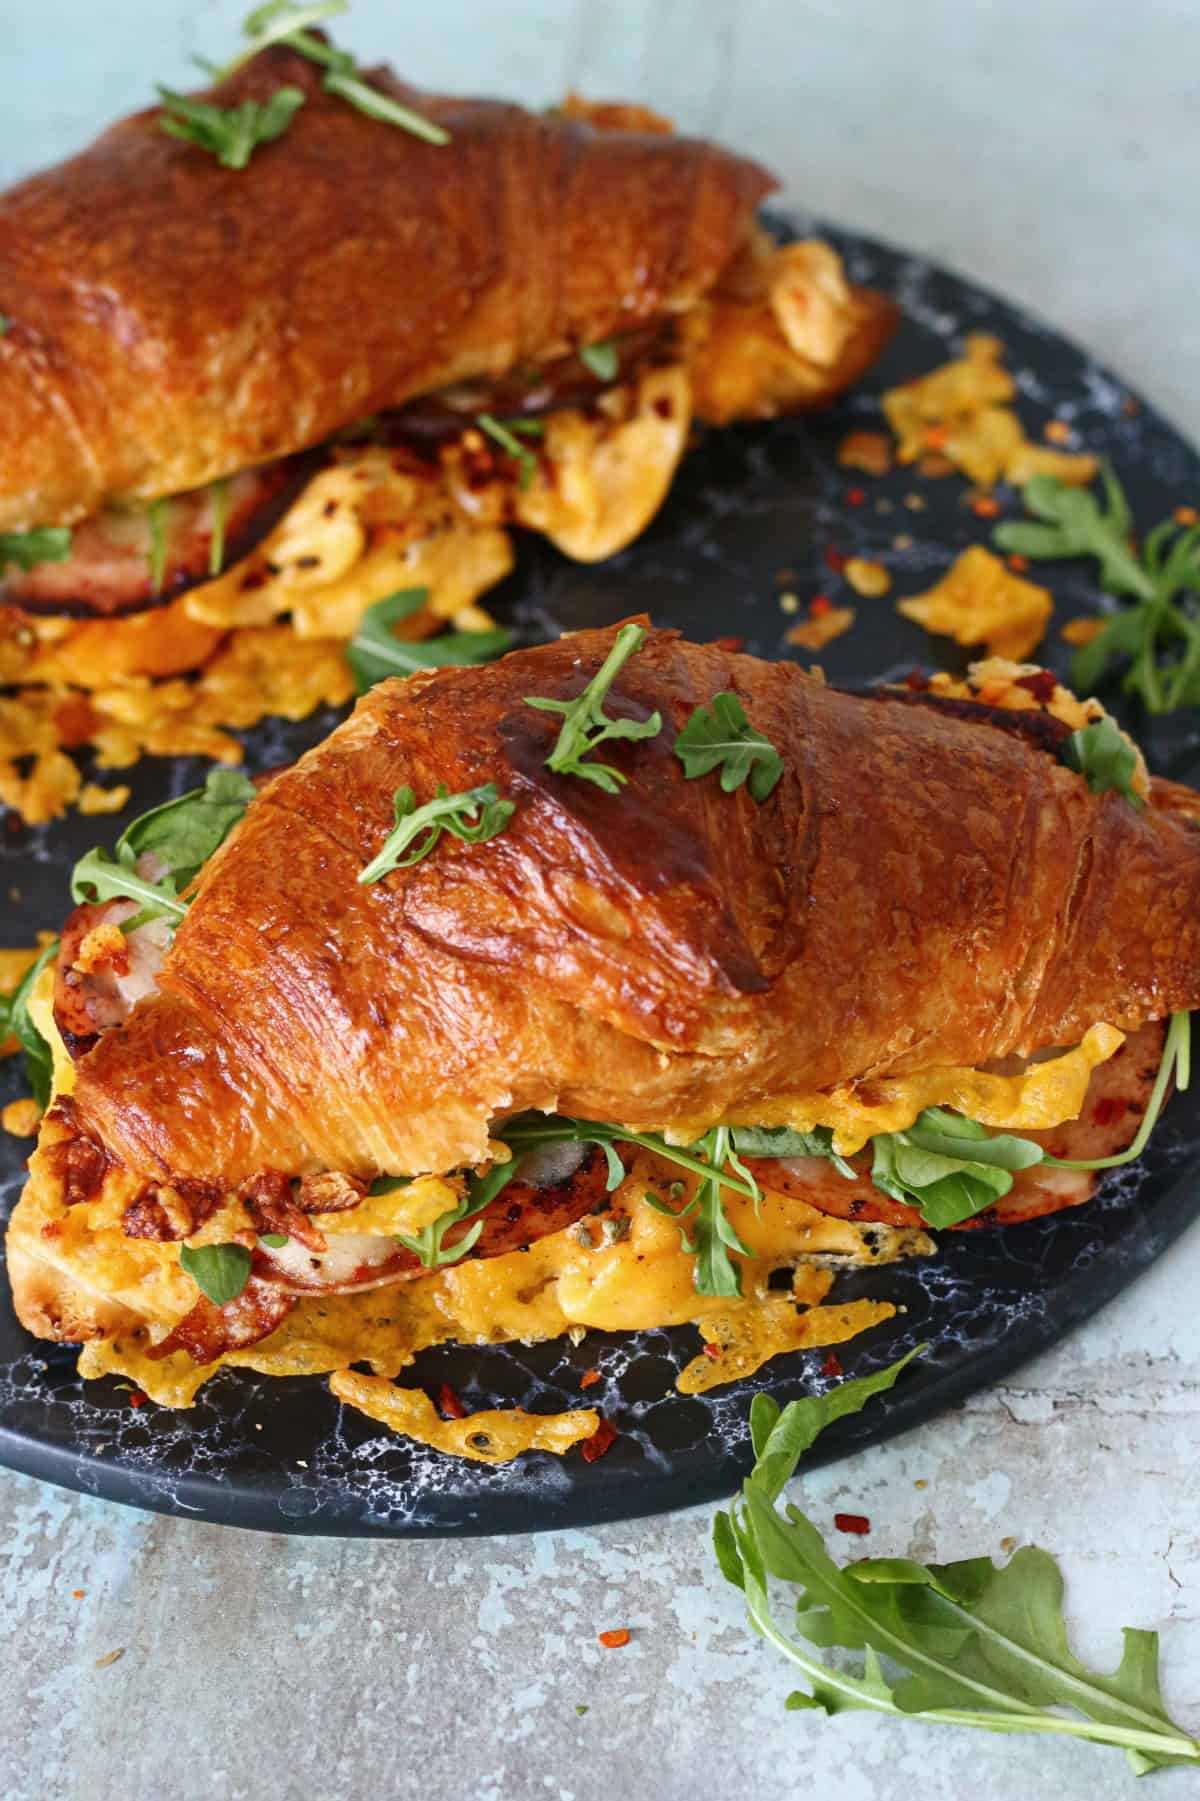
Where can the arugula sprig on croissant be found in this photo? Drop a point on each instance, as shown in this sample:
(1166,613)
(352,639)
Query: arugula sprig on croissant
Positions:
(835,970)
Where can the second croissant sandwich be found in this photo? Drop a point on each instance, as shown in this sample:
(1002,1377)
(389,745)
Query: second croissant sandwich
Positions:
(843,967)
(289,380)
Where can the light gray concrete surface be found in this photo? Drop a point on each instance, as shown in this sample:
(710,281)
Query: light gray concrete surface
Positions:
(1053,150)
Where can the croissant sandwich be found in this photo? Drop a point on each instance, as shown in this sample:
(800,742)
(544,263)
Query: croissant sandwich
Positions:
(589,989)
(252,378)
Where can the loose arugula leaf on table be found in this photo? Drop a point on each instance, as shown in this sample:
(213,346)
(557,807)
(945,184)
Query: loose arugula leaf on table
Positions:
(16,1018)
(45,544)
(230,133)
(1103,755)
(602,359)
(975,1645)
(287,22)
(375,652)
(1160,633)
(721,737)
(474,816)
(220,1271)
(180,836)
(586,725)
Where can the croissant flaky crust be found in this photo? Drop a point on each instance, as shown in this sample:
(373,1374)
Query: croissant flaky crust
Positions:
(928,886)
(171,320)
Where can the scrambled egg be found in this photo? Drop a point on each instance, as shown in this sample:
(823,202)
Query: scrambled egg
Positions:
(962,410)
(567,1282)
(980,600)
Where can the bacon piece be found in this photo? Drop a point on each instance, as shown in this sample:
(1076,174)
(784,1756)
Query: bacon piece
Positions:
(88,1000)
(109,569)
(170,1213)
(208,1331)
(272,1202)
(78,1162)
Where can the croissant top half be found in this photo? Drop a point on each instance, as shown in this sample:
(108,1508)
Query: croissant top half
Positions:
(921,890)
(171,320)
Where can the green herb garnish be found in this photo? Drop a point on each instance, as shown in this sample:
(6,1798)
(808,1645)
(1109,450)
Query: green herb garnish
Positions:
(721,737)
(1102,754)
(713,1236)
(508,440)
(474,816)
(1160,633)
(286,22)
(45,544)
(219,500)
(602,359)
(220,1271)
(375,105)
(274,1241)
(375,651)
(230,133)
(586,725)
(973,1644)
(5,322)
(181,835)
(16,1018)
(156,521)
(951,1168)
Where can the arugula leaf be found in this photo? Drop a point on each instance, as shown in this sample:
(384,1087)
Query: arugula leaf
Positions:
(945,1190)
(16,1018)
(586,725)
(474,816)
(220,1271)
(216,543)
(5,322)
(722,737)
(181,835)
(375,652)
(602,358)
(1160,633)
(1102,754)
(274,1241)
(976,1645)
(781,1141)
(375,105)
(286,22)
(506,437)
(45,544)
(230,133)
(156,521)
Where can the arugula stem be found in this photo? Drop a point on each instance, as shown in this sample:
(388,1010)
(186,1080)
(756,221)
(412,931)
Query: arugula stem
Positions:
(1176,1055)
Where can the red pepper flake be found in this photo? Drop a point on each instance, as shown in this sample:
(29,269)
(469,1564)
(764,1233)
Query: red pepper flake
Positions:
(713,1351)
(449,1405)
(1186,515)
(78,1593)
(937,436)
(832,1365)
(1018,562)
(732,644)
(833,559)
(136,1398)
(1042,684)
(855,497)
(917,682)
(599,1442)
(819,606)
(614,1639)
(986,505)
(852,1522)
(589,1378)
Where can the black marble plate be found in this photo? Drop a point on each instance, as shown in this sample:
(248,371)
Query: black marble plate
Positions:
(752,516)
